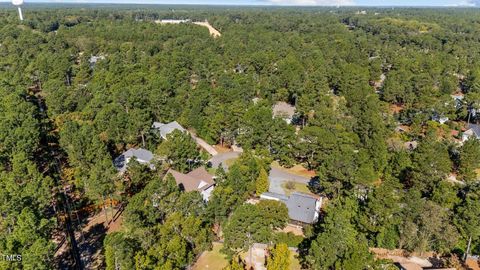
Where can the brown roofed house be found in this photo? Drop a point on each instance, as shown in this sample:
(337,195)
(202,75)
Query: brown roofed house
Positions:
(197,180)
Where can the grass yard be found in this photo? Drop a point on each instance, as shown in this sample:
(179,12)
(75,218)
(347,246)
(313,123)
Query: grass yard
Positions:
(215,260)
(299,187)
(297,170)
(211,260)
(211,170)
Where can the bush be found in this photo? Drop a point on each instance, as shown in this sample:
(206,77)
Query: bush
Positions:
(290,185)
(289,238)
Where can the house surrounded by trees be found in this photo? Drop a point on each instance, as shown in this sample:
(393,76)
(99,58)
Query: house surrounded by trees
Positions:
(302,208)
(197,180)
(143,156)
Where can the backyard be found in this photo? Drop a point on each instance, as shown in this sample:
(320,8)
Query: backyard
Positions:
(215,260)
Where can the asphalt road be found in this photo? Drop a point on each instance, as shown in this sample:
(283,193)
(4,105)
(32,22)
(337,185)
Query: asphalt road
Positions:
(222,158)
(277,177)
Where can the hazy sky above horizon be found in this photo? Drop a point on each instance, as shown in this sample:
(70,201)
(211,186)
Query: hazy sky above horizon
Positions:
(282,2)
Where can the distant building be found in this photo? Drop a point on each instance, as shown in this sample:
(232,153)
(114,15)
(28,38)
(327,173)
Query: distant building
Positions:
(473,131)
(165,129)
(440,119)
(172,21)
(458,99)
(284,110)
(302,208)
(197,180)
(141,155)
(94,59)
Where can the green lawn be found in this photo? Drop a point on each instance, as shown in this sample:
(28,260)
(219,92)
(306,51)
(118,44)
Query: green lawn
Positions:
(212,170)
(297,187)
(211,260)
(215,260)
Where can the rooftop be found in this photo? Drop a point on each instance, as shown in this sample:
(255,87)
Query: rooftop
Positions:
(301,207)
(166,129)
(283,109)
(198,179)
(142,156)
(475,129)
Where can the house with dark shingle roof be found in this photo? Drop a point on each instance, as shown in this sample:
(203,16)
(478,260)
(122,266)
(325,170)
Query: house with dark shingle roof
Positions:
(302,208)
(197,180)
(165,129)
(143,156)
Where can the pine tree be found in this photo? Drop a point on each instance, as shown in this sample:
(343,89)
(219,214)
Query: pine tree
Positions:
(261,184)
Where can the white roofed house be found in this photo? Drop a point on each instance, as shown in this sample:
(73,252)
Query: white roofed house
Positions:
(94,59)
(284,110)
(143,156)
(439,118)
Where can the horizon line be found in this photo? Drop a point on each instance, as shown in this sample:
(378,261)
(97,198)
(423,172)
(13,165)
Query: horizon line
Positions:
(87,2)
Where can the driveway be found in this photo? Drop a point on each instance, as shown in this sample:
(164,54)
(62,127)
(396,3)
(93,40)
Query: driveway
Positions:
(207,147)
(222,158)
(277,177)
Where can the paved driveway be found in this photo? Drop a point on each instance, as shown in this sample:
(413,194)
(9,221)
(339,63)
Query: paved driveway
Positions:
(277,177)
(222,158)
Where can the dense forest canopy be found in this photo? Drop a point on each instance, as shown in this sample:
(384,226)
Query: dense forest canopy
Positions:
(79,85)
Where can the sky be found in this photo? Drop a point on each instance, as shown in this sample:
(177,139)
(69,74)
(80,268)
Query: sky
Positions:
(440,3)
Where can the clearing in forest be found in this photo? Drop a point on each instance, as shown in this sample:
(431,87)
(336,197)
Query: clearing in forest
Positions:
(214,32)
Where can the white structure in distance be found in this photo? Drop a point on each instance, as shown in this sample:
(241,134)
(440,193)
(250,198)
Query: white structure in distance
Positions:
(18,3)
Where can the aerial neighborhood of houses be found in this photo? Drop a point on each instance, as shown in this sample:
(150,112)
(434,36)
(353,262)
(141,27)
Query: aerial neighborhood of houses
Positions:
(302,208)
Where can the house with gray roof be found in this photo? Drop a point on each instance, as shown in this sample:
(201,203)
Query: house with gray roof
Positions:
(165,129)
(302,208)
(143,156)
(473,131)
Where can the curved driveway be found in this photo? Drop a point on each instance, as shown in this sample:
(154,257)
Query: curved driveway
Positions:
(277,177)
(222,158)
